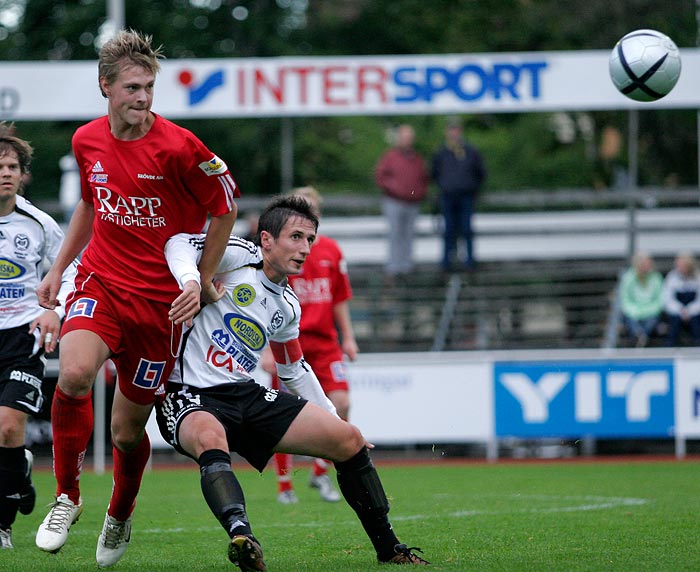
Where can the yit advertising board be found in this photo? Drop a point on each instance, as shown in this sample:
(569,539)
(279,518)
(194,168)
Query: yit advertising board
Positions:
(603,399)
(462,397)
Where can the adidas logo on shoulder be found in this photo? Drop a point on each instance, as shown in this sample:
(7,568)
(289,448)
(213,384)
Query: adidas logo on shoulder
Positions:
(97,167)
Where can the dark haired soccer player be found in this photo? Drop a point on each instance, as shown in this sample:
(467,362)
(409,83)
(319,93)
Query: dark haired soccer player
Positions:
(213,405)
(143,179)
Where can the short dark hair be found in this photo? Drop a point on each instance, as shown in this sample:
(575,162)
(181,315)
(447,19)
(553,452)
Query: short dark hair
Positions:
(10,142)
(280,210)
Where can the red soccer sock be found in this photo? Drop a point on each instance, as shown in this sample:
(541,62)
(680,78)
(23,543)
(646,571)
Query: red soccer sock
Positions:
(320,467)
(283,466)
(72,423)
(128,472)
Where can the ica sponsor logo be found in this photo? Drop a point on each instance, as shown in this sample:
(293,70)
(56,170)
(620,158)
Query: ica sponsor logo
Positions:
(237,362)
(10,270)
(246,330)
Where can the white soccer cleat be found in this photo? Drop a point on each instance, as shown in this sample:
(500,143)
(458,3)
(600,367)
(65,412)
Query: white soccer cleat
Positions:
(53,531)
(287,497)
(325,488)
(113,541)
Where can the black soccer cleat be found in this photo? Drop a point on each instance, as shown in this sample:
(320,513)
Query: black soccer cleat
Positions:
(404,555)
(246,553)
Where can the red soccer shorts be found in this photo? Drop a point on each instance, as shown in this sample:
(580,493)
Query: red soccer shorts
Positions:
(137,330)
(328,365)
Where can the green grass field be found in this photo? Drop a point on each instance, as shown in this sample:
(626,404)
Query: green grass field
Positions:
(564,516)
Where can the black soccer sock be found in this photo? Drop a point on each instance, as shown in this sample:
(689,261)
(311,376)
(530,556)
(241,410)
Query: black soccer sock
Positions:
(223,492)
(13,466)
(359,482)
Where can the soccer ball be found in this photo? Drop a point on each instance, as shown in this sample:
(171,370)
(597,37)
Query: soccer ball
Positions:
(645,65)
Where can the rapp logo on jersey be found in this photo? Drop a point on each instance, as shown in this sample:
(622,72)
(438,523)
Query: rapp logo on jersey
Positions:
(198,92)
(128,211)
(10,269)
(570,399)
(247,331)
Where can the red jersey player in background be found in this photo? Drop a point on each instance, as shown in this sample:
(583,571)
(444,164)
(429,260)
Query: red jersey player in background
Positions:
(143,180)
(323,289)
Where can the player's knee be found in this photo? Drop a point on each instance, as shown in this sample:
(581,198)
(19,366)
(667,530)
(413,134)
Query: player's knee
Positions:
(11,432)
(210,439)
(75,379)
(198,437)
(126,436)
(351,442)
(125,440)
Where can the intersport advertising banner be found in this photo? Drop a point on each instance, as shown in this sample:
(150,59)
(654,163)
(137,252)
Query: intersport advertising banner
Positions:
(349,85)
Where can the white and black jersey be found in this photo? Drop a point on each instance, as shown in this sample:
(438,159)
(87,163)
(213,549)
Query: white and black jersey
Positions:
(228,337)
(29,238)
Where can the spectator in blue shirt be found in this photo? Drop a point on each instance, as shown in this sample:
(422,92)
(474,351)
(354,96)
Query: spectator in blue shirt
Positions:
(682,299)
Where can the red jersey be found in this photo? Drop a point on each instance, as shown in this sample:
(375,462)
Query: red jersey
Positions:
(143,192)
(322,284)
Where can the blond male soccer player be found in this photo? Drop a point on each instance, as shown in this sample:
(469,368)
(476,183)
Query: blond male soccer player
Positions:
(143,180)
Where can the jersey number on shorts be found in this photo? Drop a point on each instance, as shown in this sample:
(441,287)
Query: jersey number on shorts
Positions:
(148,374)
(84,307)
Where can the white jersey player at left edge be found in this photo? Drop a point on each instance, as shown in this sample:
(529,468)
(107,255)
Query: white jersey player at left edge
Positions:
(212,404)
(29,239)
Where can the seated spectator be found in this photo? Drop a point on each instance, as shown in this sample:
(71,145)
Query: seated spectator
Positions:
(682,299)
(641,299)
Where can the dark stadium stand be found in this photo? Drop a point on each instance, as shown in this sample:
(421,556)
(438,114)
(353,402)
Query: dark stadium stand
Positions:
(503,305)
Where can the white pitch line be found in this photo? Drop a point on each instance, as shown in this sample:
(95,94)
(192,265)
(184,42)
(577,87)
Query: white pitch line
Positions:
(588,503)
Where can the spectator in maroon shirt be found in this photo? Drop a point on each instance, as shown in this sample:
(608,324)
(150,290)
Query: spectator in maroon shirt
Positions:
(403,178)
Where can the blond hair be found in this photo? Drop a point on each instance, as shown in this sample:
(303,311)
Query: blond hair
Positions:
(128,47)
